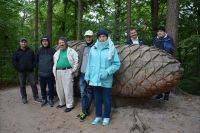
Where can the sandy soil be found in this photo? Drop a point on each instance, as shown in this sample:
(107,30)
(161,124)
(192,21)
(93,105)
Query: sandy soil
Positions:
(181,114)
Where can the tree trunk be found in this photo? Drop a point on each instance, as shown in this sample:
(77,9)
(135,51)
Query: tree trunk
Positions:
(36,33)
(49,19)
(116,37)
(172,18)
(79,19)
(197,12)
(62,28)
(128,16)
(154,15)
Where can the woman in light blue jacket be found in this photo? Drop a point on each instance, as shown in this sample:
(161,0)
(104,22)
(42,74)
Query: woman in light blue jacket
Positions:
(103,62)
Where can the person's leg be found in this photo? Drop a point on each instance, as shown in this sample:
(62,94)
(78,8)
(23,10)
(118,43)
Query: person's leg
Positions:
(89,101)
(98,98)
(67,80)
(98,104)
(22,81)
(43,85)
(82,84)
(107,105)
(107,101)
(31,78)
(59,88)
(50,82)
(166,96)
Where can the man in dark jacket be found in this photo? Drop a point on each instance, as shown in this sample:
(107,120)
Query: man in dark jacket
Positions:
(24,62)
(134,39)
(164,42)
(44,59)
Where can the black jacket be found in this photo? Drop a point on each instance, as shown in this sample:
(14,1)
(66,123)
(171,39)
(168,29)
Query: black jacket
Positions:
(44,58)
(24,60)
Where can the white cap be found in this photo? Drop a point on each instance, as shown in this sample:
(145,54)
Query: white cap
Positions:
(88,33)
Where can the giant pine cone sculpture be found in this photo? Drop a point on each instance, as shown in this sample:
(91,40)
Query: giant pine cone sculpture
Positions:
(144,71)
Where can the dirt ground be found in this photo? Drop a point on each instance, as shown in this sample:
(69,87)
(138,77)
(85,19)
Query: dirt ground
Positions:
(181,114)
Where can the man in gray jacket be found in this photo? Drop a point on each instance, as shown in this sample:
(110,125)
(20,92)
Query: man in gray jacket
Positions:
(86,97)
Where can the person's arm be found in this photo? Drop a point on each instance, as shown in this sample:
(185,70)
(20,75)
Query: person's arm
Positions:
(34,59)
(115,64)
(141,41)
(75,60)
(87,71)
(15,60)
(169,46)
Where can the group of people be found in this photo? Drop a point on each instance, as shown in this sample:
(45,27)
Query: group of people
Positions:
(162,41)
(95,64)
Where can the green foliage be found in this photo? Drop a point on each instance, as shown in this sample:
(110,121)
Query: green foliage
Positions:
(189,55)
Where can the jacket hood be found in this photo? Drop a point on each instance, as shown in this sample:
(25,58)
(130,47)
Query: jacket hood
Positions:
(45,38)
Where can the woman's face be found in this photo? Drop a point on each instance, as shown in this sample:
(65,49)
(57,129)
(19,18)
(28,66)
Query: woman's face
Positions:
(102,38)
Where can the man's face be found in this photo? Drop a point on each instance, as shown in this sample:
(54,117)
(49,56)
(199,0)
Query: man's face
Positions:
(23,44)
(62,44)
(133,34)
(102,38)
(45,43)
(160,33)
(88,39)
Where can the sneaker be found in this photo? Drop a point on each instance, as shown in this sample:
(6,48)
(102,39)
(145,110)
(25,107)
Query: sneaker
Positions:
(38,100)
(106,121)
(68,109)
(44,102)
(24,101)
(51,103)
(96,120)
(166,97)
(79,115)
(159,96)
(83,116)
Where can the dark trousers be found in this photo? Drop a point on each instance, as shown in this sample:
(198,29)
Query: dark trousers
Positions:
(23,77)
(44,81)
(102,96)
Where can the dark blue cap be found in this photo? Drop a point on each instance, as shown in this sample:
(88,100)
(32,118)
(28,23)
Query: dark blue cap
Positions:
(102,32)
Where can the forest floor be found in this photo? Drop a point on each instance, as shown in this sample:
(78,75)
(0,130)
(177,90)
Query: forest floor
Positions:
(181,114)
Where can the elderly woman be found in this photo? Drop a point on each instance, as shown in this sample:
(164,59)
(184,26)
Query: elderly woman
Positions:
(103,62)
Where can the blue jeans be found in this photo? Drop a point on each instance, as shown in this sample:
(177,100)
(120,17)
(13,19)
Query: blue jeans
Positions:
(44,81)
(102,96)
(86,98)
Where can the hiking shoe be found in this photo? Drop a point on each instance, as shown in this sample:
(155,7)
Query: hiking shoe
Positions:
(60,106)
(38,100)
(159,96)
(68,109)
(24,101)
(44,102)
(166,97)
(83,116)
(51,103)
(79,115)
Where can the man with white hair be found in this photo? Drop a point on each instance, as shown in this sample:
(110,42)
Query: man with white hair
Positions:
(86,95)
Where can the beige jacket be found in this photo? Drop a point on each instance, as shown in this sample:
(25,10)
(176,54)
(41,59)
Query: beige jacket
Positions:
(72,57)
